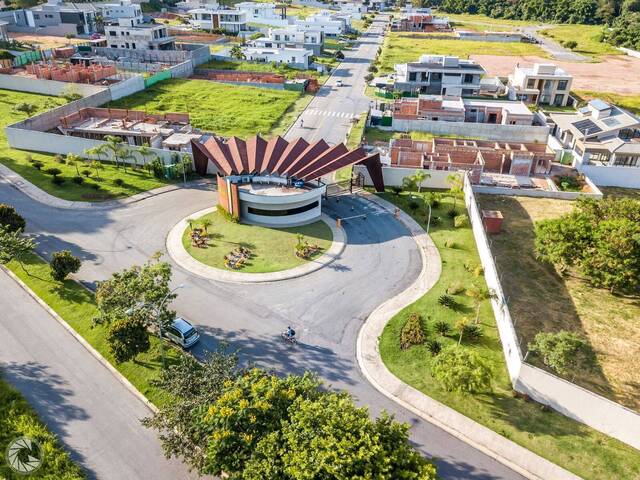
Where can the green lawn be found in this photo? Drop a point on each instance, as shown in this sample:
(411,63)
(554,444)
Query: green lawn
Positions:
(135,181)
(77,307)
(468,21)
(18,419)
(223,109)
(272,248)
(570,444)
(243,66)
(586,36)
(375,136)
(628,102)
(402,47)
(353,141)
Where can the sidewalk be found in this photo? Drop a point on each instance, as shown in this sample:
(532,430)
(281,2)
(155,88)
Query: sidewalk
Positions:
(482,438)
(36,193)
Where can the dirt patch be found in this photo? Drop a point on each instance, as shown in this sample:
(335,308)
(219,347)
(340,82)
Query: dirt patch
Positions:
(45,41)
(615,73)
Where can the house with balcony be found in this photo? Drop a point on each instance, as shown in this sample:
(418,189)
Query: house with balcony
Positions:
(328,23)
(58,18)
(133,34)
(122,9)
(293,57)
(265,13)
(291,36)
(231,21)
(439,75)
(604,141)
(542,84)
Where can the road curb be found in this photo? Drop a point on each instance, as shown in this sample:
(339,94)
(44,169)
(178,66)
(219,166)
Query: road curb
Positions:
(121,378)
(179,255)
(495,446)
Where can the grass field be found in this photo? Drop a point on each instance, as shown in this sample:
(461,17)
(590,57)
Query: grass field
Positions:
(77,307)
(135,181)
(240,66)
(482,22)
(608,321)
(401,47)
(375,136)
(17,419)
(272,249)
(586,36)
(225,110)
(628,102)
(570,444)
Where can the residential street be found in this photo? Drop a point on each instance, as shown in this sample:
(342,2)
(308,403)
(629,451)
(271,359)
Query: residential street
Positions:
(91,412)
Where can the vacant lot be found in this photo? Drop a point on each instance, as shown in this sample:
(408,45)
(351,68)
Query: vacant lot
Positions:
(402,47)
(629,102)
(617,74)
(45,41)
(466,21)
(542,300)
(223,109)
(586,36)
(285,70)
(94,188)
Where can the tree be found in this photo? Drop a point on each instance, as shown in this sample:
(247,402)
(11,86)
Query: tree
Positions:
(11,219)
(127,337)
(193,386)
(236,52)
(114,145)
(420,176)
(205,223)
(97,166)
(329,437)
(145,152)
(412,332)
(456,188)
(13,245)
(479,294)
(339,55)
(27,108)
(564,352)
(62,264)
(74,160)
(409,183)
(461,370)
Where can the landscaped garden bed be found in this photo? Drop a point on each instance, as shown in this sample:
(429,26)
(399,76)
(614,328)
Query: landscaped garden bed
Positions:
(451,303)
(254,249)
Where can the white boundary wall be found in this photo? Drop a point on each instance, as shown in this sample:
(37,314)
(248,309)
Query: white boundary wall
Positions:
(46,87)
(565,397)
(628,177)
(393,176)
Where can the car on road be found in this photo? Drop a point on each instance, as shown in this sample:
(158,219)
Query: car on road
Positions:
(338,83)
(182,333)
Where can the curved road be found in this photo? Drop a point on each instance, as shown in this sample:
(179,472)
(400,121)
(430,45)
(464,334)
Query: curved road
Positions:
(326,307)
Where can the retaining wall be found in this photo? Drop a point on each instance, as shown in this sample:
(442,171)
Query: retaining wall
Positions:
(486,131)
(46,87)
(126,87)
(393,176)
(544,387)
(628,177)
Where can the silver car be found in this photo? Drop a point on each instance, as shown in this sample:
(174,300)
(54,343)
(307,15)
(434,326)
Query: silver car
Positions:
(182,333)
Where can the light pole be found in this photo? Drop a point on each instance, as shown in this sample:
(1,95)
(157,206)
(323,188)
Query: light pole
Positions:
(156,312)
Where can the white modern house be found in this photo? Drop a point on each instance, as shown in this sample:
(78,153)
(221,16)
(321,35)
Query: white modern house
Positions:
(439,75)
(542,84)
(187,5)
(294,57)
(330,24)
(133,34)
(264,13)
(291,36)
(232,21)
(122,9)
(58,18)
(604,141)
(353,9)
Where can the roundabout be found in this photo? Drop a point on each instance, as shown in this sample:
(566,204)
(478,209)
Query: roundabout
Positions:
(268,254)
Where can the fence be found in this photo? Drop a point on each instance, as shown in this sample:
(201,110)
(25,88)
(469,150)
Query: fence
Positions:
(46,87)
(157,77)
(612,176)
(544,387)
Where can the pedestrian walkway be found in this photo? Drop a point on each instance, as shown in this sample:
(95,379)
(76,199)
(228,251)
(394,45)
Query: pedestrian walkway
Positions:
(329,113)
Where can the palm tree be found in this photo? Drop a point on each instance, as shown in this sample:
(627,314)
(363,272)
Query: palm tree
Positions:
(145,152)
(127,155)
(98,166)
(457,185)
(479,294)
(205,223)
(419,177)
(73,159)
(114,145)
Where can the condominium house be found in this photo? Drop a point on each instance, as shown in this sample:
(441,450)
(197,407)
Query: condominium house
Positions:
(291,36)
(600,134)
(420,20)
(264,13)
(187,5)
(122,9)
(353,9)
(294,57)
(330,24)
(542,84)
(231,21)
(457,109)
(439,75)
(56,17)
(133,34)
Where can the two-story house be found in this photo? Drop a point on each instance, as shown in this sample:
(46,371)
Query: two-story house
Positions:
(264,13)
(291,37)
(122,9)
(293,57)
(542,84)
(133,34)
(330,24)
(56,17)
(231,21)
(439,75)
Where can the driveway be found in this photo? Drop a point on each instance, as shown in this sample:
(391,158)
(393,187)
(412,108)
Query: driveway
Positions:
(554,48)
(326,307)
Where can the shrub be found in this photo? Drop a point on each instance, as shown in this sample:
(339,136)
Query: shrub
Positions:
(447,301)
(460,370)
(455,288)
(86,172)
(478,271)
(436,220)
(29,158)
(433,199)
(118,182)
(62,264)
(413,205)
(95,186)
(450,243)
(412,332)
(461,221)
(452,213)
(564,352)
(37,165)
(368,77)
(11,219)
(571,44)
(227,216)
(57,180)
(59,159)
(434,347)
(339,55)
(442,328)
(53,171)
(373,68)
(471,331)
(396,190)
(77,180)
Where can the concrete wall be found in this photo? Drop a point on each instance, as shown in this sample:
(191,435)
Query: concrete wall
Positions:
(628,177)
(182,70)
(565,397)
(57,30)
(485,131)
(393,176)
(126,87)
(631,53)
(46,87)
(534,192)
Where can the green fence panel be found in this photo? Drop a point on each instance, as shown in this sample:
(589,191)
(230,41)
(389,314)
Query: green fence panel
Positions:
(157,77)
(27,57)
(386,121)
(295,86)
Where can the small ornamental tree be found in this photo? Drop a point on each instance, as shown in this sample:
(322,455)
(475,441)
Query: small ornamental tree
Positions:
(11,219)
(13,245)
(127,338)
(62,264)
(564,352)
(461,370)
(412,332)
(236,52)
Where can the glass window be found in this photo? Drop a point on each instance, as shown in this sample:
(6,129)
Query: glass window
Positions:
(283,213)
(562,85)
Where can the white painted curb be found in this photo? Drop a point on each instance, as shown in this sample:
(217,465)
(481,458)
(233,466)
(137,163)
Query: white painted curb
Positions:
(179,255)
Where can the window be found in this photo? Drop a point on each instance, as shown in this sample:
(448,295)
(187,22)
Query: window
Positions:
(468,78)
(531,83)
(562,85)
(557,101)
(36,16)
(283,213)
(412,76)
(112,33)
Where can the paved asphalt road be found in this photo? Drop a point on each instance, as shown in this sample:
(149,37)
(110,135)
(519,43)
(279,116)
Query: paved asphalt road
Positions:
(92,413)
(551,46)
(326,308)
